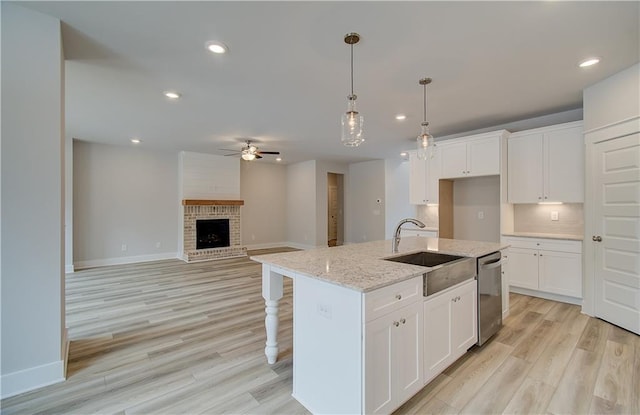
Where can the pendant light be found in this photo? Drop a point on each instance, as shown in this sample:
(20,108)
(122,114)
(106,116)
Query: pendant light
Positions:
(352,120)
(425,141)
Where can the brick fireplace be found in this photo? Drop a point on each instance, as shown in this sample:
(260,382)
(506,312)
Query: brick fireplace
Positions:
(198,210)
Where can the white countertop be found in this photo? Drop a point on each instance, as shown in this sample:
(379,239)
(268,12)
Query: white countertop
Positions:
(567,236)
(361,266)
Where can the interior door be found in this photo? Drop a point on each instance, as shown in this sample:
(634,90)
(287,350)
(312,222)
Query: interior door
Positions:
(617,231)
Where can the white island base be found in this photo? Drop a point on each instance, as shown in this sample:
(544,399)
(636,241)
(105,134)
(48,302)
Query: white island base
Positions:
(367,350)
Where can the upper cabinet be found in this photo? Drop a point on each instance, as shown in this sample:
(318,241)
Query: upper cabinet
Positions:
(472,156)
(423,179)
(546,165)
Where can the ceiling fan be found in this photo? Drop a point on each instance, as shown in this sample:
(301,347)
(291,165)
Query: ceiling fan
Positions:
(250,152)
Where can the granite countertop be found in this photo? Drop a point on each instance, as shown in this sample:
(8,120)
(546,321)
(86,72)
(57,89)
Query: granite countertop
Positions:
(568,237)
(362,267)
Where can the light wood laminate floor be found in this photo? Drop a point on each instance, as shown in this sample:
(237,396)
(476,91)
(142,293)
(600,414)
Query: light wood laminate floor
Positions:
(168,337)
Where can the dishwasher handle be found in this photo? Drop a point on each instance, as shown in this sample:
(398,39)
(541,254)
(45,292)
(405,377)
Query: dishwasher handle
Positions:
(491,264)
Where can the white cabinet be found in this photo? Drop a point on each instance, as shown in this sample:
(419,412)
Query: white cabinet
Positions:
(470,156)
(450,327)
(423,179)
(393,358)
(546,165)
(545,265)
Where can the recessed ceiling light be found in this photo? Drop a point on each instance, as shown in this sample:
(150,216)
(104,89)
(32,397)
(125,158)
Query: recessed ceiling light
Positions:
(136,140)
(171,94)
(589,62)
(216,47)
(278,158)
(403,154)
(401,117)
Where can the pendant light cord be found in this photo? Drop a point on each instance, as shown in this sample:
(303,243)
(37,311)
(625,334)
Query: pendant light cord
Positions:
(352,69)
(425,102)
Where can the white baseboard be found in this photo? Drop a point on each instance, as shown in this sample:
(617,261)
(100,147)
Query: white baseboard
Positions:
(33,378)
(65,350)
(546,296)
(125,260)
(267,245)
(68,269)
(299,246)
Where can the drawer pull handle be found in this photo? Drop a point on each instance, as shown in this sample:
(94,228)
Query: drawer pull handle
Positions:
(402,320)
(398,297)
(395,323)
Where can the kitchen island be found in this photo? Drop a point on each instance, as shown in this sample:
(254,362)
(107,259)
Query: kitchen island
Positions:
(359,325)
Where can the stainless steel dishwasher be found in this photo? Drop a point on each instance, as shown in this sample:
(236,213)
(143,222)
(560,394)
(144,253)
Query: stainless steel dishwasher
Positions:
(489,296)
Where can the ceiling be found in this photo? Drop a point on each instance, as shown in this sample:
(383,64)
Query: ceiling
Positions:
(285,79)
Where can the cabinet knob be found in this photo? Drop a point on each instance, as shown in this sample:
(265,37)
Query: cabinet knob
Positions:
(596,238)
(402,320)
(535,254)
(395,323)
(398,297)
(539,198)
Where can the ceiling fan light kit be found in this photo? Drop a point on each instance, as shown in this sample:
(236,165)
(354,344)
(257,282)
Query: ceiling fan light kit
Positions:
(425,141)
(352,121)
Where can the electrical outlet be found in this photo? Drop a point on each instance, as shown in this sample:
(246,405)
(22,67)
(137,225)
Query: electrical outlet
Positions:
(158,244)
(554,215)
(123,247)
(480,214)
(324,310)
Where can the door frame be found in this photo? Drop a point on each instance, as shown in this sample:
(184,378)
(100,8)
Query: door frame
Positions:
(609,132)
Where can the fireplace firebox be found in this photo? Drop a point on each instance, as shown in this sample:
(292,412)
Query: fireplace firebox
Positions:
(212,233)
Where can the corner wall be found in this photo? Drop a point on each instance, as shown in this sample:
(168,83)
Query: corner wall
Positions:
(32,204)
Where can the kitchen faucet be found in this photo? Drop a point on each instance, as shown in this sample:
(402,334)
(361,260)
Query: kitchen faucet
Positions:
(396,237)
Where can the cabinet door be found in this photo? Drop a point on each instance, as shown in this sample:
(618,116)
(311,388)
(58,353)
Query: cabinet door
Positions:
(417,180)
(464,321)
(523,268)
(433,178)
(408,352)
(525,168)
(561,273)
(393,359)
(564,165)
(437,335)
(483,157)
(378,366)
(454,160)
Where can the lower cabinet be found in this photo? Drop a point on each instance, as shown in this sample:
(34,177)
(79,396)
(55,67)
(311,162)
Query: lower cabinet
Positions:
(393,358)
(450,327)
(544,265)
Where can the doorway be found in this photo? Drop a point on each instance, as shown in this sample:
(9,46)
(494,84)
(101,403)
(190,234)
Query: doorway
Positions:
(335,209)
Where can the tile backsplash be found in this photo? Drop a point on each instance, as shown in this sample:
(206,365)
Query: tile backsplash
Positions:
(537,218)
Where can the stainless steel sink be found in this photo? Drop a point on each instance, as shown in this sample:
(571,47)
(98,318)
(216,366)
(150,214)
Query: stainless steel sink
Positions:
(425,258)
(448,271)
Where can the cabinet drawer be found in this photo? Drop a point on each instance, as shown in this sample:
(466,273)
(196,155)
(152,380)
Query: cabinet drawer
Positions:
(545,244)
(380,302)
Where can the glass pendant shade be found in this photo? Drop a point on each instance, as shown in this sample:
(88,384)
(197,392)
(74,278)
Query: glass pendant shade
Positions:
(425,143)
(248,155)
(352,123)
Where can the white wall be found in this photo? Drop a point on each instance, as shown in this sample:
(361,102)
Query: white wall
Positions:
(301,204)
(68,204)
(612,100)
(32,256)
(471,196)
(365,215)
(124,195)
(397,205)
(264,214)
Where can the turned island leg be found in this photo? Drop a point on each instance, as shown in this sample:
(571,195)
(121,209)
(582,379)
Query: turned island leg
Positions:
(272,284)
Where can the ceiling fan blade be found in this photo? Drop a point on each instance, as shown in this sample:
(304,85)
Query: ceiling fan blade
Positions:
(268,152)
